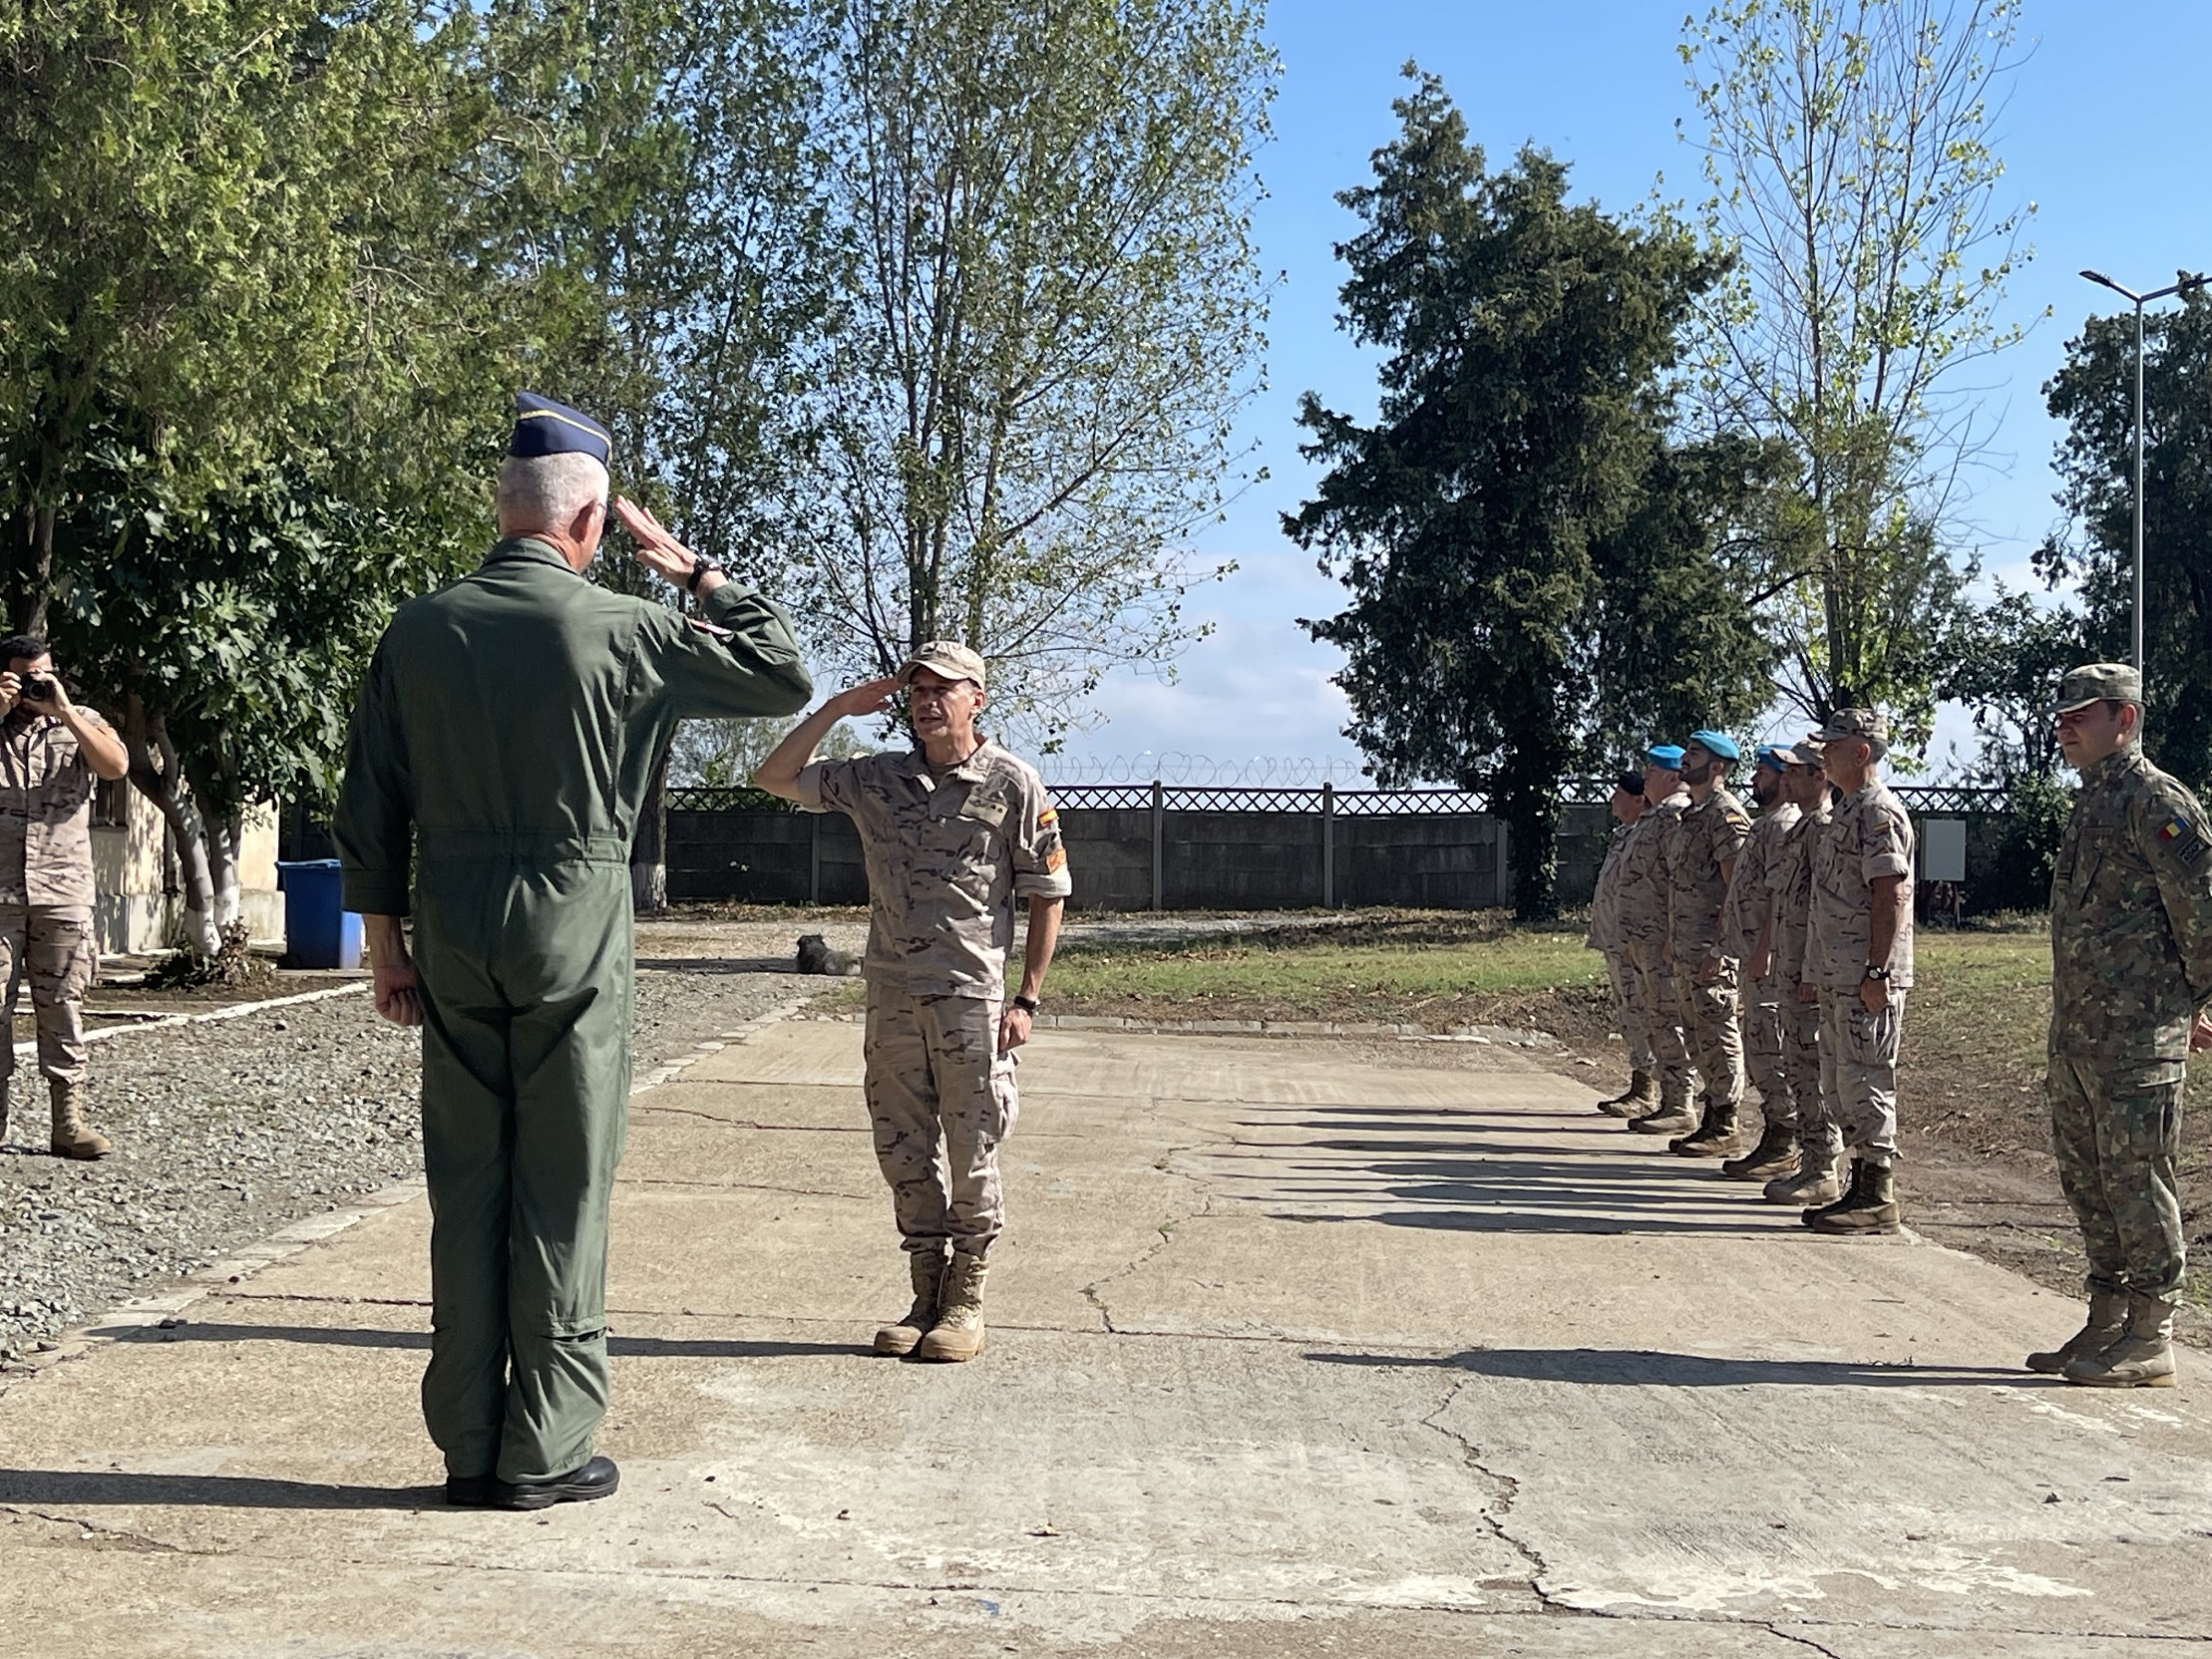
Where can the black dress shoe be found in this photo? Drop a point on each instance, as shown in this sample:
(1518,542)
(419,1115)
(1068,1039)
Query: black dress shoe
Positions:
(597,1479)
(469,1492)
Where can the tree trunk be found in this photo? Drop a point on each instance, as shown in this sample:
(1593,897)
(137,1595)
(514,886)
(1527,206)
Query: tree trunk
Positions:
(154,773)
(649,845)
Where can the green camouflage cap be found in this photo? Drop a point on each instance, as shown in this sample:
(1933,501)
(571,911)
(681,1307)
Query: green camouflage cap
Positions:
(1856,723)
(2093,682)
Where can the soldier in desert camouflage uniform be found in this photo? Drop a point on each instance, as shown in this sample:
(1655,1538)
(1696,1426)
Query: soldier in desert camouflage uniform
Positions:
(954,833)
(2131,959)
(1809,1178)
(50,751)
(1641,920)
(1701,852)
(1859,959)
(1747,922)
(1604,937)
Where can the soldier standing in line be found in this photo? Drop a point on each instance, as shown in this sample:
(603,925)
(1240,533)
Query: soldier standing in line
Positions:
(1641,920)
(1749,914)
(500,757)
(1859,962)
(50,751)
(954,833)
(1642,1092)
(1702,847)
(1810,1178)
(2131,961)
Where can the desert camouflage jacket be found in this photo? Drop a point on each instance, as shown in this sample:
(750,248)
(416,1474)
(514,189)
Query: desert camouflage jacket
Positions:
(46,788)
(947,855)
(1752,893)
(1640,912)
(1705,836)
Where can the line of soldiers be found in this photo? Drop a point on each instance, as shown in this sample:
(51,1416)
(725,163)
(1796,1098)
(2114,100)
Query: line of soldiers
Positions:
(1784,945)
(1780,947)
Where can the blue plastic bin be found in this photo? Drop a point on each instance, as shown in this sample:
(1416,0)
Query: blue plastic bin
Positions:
(319,931)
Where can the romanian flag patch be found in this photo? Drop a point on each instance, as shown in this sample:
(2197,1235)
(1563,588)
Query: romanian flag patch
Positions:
(2178,834)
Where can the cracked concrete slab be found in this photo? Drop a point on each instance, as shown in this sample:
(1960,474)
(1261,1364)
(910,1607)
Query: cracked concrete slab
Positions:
(1297,1347)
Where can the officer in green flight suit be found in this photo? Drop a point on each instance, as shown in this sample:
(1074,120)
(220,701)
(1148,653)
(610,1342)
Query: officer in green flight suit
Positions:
(500,755)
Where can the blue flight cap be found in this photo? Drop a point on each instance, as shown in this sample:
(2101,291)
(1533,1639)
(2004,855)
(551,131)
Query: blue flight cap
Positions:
(1667,755)
(1775,756)
(1717,744)
(542,427)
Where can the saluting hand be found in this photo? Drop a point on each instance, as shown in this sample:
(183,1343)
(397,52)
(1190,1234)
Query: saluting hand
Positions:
(658,550)
(869,697)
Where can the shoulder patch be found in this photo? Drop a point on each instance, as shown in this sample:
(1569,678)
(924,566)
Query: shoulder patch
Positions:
(2179,837)
(706,627)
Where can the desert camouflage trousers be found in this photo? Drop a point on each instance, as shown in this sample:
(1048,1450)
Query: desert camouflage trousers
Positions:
(1764,1050)
(1799,1022)
(53,949)
(940,1099)
(1653,1007)
(1713,1023)
(2116,1130)
(1858,1072)
(1621,978)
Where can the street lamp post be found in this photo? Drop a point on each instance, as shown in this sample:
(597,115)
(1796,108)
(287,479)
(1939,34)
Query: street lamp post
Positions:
(2140,301)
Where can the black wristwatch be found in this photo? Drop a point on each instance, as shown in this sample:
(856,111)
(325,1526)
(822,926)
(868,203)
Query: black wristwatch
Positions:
(1028,1005)
(1880,974)
(699,568)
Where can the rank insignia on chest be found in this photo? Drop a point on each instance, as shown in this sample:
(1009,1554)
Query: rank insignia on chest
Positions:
(2180,836)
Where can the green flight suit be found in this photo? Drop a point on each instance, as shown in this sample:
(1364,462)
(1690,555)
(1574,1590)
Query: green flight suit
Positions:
(507,730)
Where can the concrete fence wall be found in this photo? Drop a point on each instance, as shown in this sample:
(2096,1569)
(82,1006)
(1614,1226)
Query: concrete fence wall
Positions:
(1141,859)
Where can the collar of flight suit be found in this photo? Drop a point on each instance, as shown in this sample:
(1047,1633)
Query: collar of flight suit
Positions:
(528,550)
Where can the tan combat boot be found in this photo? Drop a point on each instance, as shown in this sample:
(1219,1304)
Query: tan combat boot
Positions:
(2107,1320)
(1639,1098)
(2141,1358)
(1818,1181)
(959,1333)
(1667,1118)
(72,1137)
(1774,1159)
(926,1268)
(1869,1206)
(1714,1137)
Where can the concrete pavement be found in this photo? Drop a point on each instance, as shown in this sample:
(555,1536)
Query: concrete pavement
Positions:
(1305,1346)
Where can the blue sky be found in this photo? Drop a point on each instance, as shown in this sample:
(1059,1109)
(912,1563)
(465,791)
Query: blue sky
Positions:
(2105,133)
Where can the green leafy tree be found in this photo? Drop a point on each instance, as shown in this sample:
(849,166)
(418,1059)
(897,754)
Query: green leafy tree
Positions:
(2006,662)
(1539,577)
(1847,143)
(1049,319)
(2095,395)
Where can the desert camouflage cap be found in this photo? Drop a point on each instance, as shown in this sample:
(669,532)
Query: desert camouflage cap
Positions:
(943,656)
(1802,753)
(2093,682)
(1856,723)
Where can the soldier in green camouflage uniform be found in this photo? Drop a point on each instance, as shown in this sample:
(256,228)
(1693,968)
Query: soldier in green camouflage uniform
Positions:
(51,754)
(1811,1179)
(1701,852)
(954,833)
(1641,919)
(1641,1094)
(2131,960)
(1747,925)
(1859,959)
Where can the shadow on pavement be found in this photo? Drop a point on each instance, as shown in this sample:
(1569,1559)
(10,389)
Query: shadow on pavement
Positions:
(620,1347)
(1641,1368)
(41,1488)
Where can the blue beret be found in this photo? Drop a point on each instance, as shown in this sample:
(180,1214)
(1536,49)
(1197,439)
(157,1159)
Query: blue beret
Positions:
(1667,755)
(542,427)
(1717,744)
(1775,756)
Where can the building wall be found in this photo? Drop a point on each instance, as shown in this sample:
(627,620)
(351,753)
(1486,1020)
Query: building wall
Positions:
(134,911)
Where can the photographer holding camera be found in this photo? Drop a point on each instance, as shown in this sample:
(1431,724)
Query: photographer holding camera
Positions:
(50,751)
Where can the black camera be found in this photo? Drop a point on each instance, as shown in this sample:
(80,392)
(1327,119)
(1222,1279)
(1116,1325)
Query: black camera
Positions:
(37,688)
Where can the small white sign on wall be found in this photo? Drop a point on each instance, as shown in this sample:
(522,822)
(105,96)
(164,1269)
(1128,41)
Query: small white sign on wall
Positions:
(1943,849)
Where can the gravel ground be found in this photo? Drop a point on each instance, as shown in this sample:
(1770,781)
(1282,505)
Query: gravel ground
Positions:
(227,1131)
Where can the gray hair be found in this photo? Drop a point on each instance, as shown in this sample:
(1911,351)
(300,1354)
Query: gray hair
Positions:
(547,492)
